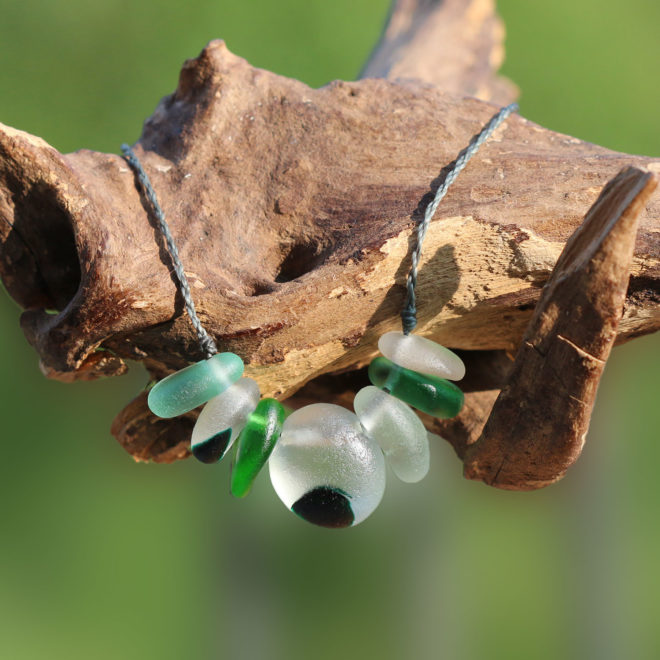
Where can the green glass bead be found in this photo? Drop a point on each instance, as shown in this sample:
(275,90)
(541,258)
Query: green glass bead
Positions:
(255,444)
(430,394)
(184,390)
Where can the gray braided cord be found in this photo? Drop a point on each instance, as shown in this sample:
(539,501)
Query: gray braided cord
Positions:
(409,311)
(206,342)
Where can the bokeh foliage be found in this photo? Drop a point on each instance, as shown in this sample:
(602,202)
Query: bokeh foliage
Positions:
(103,558)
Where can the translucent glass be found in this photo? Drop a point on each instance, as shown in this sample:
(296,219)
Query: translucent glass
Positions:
(255,444)
(326,468)
(222,419)
(421,354)
(397,429)
(188,388)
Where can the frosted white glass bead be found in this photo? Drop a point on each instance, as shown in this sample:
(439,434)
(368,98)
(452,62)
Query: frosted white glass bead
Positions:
(222,419)
(397,429)
(325,468)
(422,355)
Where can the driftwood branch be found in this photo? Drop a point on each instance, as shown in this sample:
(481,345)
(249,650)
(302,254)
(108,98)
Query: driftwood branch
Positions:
(293,210)
(538,425)
(457,45)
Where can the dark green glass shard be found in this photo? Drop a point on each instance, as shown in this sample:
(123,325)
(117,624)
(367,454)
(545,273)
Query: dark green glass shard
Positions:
(213,449)
(325,506)
(430,394)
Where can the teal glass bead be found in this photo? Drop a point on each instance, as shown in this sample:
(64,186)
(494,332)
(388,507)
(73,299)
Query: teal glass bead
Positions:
(430,394)
(255,444)
(188,388)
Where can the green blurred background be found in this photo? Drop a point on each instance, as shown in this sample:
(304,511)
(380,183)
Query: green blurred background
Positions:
(104,558)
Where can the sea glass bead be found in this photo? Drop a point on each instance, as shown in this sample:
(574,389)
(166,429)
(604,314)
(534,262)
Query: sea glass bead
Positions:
(430,394)
(421,354)
(397,429)
(222,419)
(255,444)
(188,388)
(325,468)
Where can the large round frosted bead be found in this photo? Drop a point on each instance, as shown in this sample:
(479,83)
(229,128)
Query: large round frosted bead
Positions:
(430,394)
(421,354)
(255,444)
(325,468)
(222,419)
(397,429)
(188,388)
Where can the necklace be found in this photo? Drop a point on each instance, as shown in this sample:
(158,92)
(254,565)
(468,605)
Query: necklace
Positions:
(326,463)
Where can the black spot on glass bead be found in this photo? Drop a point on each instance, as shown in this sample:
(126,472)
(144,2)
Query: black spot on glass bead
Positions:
(325,506)
(213,449)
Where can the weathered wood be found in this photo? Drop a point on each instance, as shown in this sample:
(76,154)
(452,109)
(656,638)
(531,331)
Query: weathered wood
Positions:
(293,210)
(457,45)
(149,438)
(538,425)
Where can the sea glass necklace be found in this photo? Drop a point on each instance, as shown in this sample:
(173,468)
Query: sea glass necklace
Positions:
(326,463)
